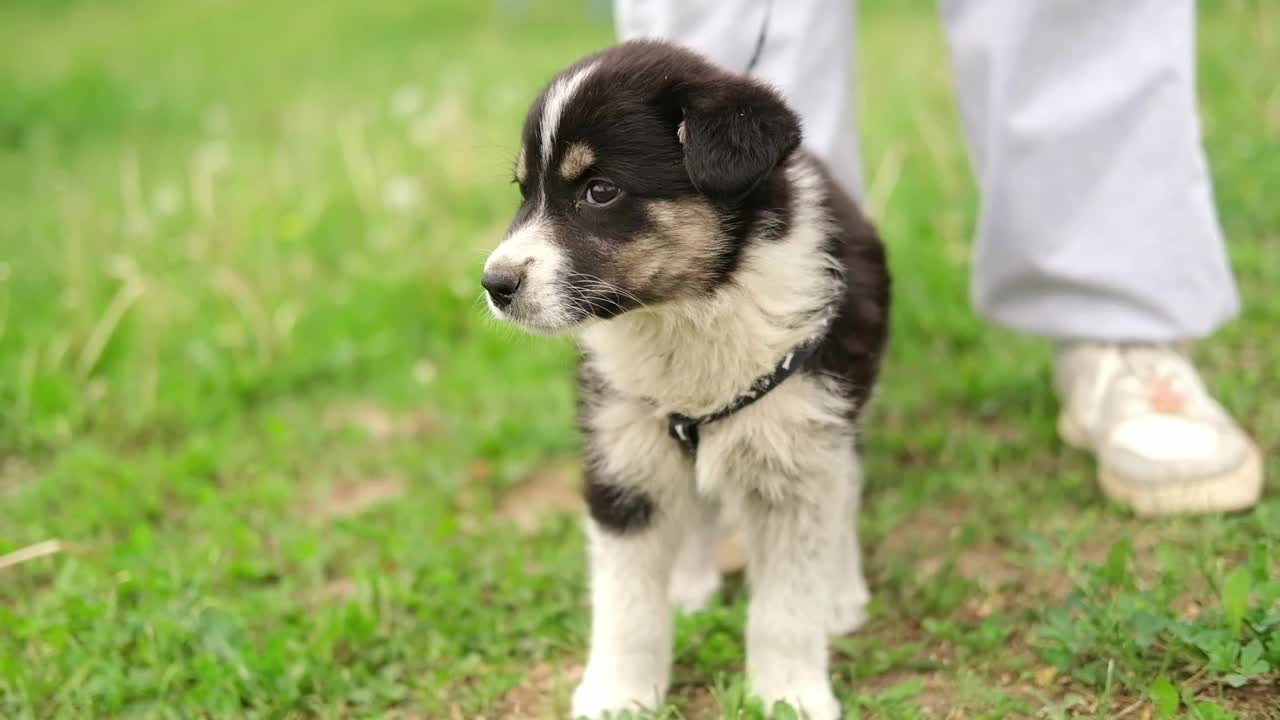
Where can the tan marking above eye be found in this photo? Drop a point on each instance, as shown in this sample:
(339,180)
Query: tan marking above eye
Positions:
(577,159)
(522,166)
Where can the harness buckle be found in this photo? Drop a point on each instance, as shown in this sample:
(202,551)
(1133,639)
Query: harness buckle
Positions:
(685,431)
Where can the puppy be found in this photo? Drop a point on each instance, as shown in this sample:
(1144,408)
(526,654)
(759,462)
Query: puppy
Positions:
(730,304)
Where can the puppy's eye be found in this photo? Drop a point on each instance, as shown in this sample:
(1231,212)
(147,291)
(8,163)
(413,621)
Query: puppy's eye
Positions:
(602,192)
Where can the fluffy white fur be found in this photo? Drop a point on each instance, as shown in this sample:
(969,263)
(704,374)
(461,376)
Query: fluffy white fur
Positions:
(786,468)
(695,576)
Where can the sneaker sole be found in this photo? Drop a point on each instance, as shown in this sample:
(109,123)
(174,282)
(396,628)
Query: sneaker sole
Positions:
(1238,489)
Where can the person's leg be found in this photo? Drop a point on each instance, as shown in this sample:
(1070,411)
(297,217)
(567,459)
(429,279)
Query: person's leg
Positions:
(804,48)
(1097,219)
(1097,229)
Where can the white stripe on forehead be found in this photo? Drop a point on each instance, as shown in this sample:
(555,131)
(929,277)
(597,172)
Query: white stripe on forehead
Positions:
(557,100)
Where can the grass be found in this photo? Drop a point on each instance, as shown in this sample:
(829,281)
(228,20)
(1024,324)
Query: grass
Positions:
(247,388)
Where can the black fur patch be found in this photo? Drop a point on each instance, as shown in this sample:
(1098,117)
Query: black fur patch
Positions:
(736,133)
(621,510)
(856,340)
(613,505)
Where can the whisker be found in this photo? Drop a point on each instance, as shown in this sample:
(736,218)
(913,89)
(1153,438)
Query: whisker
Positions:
(581,292)
(583,303)
(601,283)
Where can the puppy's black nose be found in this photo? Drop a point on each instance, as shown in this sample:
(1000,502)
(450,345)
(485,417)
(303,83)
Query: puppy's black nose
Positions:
(501,285)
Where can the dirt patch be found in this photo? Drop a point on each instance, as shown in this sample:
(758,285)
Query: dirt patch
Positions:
(552,489)
(699,703)
(379,422)
(337,591)
(929,537)
(15,474)
(988,565)
(925,530)
(935,697)
(1259,699)
(352,496)
(543,693)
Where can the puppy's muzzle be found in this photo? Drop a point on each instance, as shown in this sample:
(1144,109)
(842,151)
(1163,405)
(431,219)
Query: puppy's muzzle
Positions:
(502,284)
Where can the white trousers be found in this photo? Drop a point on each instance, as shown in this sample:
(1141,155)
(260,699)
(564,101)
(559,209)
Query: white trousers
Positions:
(1097,219)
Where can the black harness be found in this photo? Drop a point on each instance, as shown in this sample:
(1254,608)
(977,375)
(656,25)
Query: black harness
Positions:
(685,429)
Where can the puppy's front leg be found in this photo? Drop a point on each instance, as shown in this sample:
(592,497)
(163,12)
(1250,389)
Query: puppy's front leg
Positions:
(629,664)
(849,594)
(696,575)
(792,547)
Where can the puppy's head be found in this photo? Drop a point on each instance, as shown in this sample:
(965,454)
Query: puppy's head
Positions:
(637,167)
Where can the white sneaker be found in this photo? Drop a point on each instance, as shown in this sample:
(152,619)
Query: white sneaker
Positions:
(1163,444)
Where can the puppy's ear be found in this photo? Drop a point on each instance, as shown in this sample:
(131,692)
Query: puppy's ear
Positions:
(735,132)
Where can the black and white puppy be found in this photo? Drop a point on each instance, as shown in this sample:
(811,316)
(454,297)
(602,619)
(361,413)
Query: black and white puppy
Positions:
(730,304)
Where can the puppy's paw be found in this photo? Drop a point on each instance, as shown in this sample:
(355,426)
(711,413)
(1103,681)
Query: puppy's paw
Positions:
(598,698)
(691,591)
(849,605)
(847,615)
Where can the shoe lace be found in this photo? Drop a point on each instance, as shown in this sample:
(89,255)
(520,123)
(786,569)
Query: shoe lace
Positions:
(1165,375)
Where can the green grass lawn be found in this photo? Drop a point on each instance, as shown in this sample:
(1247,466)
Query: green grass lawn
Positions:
(263,455)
